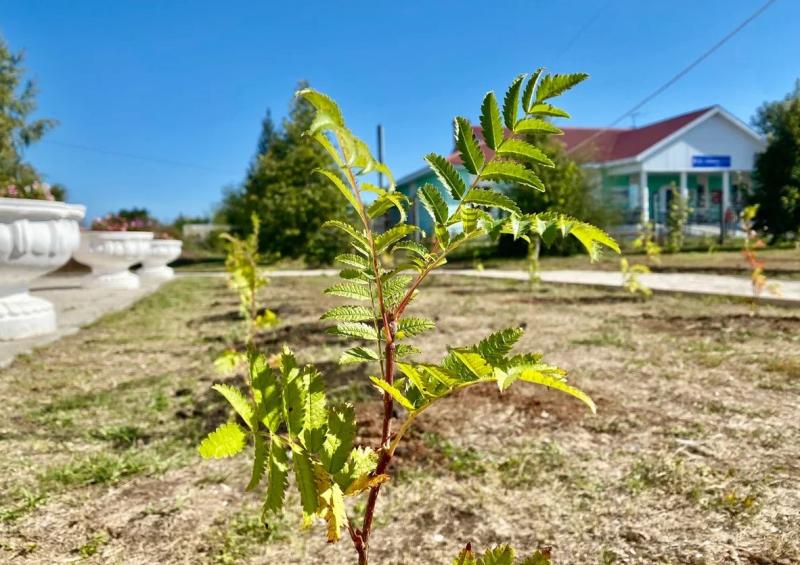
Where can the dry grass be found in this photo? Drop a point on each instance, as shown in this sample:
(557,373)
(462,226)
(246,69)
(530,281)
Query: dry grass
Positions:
(692,458)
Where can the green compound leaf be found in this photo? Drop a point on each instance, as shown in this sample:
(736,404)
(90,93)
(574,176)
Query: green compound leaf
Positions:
(468,147)
(339,439)
(349,314)
(260,454)
(490,121)
(349,290)
(393,235)
(393,392)
(237,400)
(511,102)
(508,171)
(226,441)
(536,126)
(434,203)
(394,289)
(547,110)
(491,198)
(497,345)
(553,85)
(413,247)
(338,183)
(530,86)
(448,175)
(358,330)
(267,393)
(386,202)
(358,240)
(552,377)
(522,150)
(321,138)
(411,326)
(358,355)
(592,238)
(278,464)
(304,477)
(315,411)
(324,105)
(474,363)
(352,260)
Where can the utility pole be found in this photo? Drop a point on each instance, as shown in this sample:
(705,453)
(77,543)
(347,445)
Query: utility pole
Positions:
(380,153)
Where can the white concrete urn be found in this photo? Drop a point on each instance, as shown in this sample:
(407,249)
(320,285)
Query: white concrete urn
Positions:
(36,237)
(162,253)
(111,254)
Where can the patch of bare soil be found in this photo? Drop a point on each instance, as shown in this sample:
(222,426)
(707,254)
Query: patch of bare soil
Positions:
(711,325)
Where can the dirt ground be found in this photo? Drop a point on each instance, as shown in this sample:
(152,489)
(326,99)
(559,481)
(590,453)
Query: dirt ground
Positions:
(693,456)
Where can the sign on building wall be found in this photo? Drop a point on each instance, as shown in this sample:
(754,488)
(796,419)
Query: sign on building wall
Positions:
(711,161)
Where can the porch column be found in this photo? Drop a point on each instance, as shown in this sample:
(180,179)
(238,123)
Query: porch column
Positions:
(644,196)
(685,186)
(726,202)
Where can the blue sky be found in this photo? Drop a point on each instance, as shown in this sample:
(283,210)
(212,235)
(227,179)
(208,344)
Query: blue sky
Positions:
(184,85)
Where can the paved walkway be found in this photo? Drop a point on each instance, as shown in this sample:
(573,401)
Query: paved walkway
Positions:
(689,283)
(75,307)
(665,282)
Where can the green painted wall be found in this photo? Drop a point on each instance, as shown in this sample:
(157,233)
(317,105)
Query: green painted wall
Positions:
(704,195)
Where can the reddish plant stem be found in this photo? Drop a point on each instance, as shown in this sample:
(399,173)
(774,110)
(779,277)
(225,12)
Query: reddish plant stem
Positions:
(362,544)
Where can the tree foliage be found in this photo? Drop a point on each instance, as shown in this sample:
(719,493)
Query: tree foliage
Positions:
(17,129)
(282,188)
(777,170)
(383,273)
(677,216)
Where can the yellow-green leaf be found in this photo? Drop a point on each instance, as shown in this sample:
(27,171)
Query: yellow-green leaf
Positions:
(393,392)
(226,441)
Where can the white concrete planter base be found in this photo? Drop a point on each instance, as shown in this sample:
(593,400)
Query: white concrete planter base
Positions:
(121,280)
(36,237)
(110,254)
(23,315)
(162,252)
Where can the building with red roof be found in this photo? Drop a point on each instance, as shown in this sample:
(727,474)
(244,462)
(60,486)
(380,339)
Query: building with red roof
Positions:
(706,155)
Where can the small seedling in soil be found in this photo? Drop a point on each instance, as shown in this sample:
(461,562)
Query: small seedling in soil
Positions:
(752,243)
(285,411)
(631,272)
(501,555)
(246,278)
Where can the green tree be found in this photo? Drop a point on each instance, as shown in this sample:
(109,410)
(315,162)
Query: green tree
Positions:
(283,189)
(677,217)
(776,177)
(17,130)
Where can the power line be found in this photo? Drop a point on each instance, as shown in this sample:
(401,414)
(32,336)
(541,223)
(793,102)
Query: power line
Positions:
(574,39)
(137,157)
(679,75)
